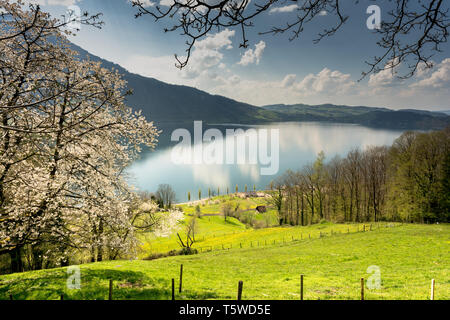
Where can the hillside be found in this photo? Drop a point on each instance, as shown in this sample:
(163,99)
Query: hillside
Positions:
(408,256)
(166,103)
(367,116)
(163,102)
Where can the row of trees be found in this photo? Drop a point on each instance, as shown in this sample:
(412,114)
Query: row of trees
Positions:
(66,137)
(212,193)
(408,181)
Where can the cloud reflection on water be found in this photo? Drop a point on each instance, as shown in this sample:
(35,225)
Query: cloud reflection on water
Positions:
(299,144)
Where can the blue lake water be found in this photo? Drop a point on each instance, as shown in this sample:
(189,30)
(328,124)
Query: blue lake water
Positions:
(299,144)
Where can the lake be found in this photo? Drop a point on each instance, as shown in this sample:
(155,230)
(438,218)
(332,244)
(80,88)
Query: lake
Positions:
(299,144)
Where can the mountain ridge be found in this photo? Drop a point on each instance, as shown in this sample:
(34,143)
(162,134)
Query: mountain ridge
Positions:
(169,103)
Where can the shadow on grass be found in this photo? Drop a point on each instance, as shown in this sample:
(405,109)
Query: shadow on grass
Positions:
(127,285)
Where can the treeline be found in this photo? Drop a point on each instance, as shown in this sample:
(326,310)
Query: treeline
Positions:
(409,181)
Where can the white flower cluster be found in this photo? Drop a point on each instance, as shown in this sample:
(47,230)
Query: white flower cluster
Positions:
(66,137)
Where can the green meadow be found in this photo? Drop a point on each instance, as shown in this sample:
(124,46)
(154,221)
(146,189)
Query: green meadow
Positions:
(408,257)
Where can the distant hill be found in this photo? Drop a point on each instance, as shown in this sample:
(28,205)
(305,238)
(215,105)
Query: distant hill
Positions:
(166,103)
(368,116)
(447,112)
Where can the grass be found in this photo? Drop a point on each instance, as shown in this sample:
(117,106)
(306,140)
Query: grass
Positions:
(409,256)
(214,233)
(212,229)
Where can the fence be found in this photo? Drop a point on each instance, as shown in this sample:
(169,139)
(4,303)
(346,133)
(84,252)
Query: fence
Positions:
(228,245)
(241,286)
(254,243)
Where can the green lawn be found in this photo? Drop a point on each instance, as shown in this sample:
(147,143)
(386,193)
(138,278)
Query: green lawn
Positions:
(214,233)
(212,229)
(409,256)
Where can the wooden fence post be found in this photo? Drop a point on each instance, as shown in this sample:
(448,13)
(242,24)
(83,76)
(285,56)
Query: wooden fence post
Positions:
(110,289)
(432,290)
(11,297)
(181,277)
(62,296)
(301,287)
(362,288)
(240,285)
(173,289)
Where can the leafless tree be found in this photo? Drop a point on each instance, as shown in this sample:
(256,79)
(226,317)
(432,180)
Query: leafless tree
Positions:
(276,198)
(308,173)
(411,32)
(227,210)
(165,195)
(376,163)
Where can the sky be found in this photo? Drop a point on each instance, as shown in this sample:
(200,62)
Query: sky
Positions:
(272,69)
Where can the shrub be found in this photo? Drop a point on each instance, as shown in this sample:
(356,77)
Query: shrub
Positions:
(259,224)
(172,253)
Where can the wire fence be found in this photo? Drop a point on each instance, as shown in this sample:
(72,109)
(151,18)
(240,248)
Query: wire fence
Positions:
(276,240)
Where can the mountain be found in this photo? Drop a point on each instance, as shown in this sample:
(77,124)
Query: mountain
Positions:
(447,112)
(162,102)
(166,103)
(367,116)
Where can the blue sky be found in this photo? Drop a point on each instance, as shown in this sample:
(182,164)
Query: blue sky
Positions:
(273,69)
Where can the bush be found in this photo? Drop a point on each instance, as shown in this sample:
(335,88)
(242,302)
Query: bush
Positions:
(187,251)
(259,224)
(172,253)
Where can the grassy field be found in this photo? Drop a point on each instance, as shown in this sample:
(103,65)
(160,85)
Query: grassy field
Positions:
(212,230)
(408,256)
(214,233)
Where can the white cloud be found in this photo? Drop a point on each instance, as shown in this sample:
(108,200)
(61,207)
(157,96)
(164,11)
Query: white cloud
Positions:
(65,3)
(289,80)
(207,54)
(438,77)
(288,8)
(166,3)
(146,3)
(253,56)
(423,69)
(217,41)
(234,79)
(326,82)
(387,76)
(206,57)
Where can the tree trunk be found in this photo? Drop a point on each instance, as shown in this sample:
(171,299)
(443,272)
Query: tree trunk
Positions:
(16,260)
(100,246)
(92,254)
(303,211)
(37,258)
